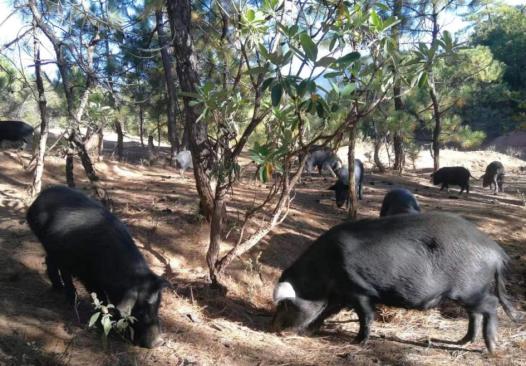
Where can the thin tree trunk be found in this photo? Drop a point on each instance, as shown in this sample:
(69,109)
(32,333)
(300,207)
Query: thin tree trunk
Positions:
(141,124)
(377,147)
(398,141)
(179,13)
(377,161)
(216,226)
(44,125)
(436,129)
(171,104)
(120,139)
(433,94)
(70,177)
(159,131)
(353,198)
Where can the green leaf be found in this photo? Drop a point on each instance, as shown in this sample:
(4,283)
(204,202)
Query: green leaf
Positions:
(251,15)
(276,93)
(267,83)
(422,80)
(390,22)
(348,89)
(93,319)
(308,45)
(333,43)
(332,74)
(325,61)
(382,6)
(375,19)
(301,88)
(106,324)
(311,86)
(263,50)
(348,58)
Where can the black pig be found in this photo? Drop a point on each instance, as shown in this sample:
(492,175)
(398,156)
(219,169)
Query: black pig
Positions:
(455,175)
(399,201)
(16,131)
(407,261)
(83,239)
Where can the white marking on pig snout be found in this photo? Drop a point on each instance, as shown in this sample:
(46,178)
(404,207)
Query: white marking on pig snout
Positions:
(283,290)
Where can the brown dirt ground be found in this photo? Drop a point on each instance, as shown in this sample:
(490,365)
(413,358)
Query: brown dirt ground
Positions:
(202,326)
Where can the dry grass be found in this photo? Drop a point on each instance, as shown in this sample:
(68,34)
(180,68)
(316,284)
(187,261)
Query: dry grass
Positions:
(204,326)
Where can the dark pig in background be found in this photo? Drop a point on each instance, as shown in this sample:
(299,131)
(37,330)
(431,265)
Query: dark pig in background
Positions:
(83,239)
(494,177)
(341,187)
(399,201)
(453,175)
(406,261)
(16,132)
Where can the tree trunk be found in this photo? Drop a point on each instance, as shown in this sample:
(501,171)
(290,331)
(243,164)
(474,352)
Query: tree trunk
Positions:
(377,161)
(141,124)
(433,94)
(179,12)
(377,146)
(353,198)
(70,177)
(398,141)
(44,125)
(437,129)
(171,104)
(120,139)
(159,131)
(216,228)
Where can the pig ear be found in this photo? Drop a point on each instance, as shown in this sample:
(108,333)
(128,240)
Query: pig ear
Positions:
(156,289)
(128,302)
(283,291)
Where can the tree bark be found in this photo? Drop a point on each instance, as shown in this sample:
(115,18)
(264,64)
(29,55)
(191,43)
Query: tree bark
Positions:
(179,13)
(120,139)
(433,94)
(398,141)
(171,104)
(141,124)
(44,125)
(70,177)
(377,161)
(436,129)
(353,198)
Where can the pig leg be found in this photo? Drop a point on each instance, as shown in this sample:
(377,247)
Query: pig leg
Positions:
(69,288)
(365,310)
(475,321)
(329,310)
(487,306)
(496,184)
(53,274)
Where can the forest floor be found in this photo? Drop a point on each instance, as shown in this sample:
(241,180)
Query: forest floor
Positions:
(203,326)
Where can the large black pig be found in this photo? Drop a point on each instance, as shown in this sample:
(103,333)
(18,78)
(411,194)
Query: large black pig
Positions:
(341,187)
(408,261)
(494,176)
(82,239)
(16,131)
(452,175)
(399,201)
